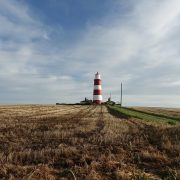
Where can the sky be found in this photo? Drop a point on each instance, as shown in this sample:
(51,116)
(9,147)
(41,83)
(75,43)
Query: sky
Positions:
(51,49)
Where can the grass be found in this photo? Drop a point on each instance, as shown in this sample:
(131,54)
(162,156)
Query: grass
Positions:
(167,116)
(131,113)
(173,113)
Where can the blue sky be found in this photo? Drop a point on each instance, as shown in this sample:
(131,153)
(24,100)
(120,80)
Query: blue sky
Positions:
(51,49)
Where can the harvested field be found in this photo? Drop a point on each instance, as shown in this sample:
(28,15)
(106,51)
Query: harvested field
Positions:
(84,142)
(171,112)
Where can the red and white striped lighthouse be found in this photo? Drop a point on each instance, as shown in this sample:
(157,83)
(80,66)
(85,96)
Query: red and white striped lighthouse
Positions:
(97,94)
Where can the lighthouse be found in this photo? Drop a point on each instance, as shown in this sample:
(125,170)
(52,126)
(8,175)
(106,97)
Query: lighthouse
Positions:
(97,93)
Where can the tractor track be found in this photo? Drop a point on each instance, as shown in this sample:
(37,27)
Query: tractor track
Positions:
(69,117)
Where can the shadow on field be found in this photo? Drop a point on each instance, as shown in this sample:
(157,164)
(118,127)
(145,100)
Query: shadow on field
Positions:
(117,113)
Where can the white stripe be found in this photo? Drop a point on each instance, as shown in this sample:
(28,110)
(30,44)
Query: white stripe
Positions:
(97,97)
(97,76)
(97,87)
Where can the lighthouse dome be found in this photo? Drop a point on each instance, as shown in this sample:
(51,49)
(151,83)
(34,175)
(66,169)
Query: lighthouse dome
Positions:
(97,76)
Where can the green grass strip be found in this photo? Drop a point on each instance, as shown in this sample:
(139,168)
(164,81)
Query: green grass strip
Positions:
(154,114)
(127,113)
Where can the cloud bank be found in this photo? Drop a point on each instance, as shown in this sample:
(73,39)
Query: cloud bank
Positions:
(136,43)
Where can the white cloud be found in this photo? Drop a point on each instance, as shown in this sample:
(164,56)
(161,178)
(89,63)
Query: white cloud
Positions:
(138,47)
(157,17)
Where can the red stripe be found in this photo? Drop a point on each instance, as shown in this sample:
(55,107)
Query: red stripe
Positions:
(97,101)
(97,81)
(97,92)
